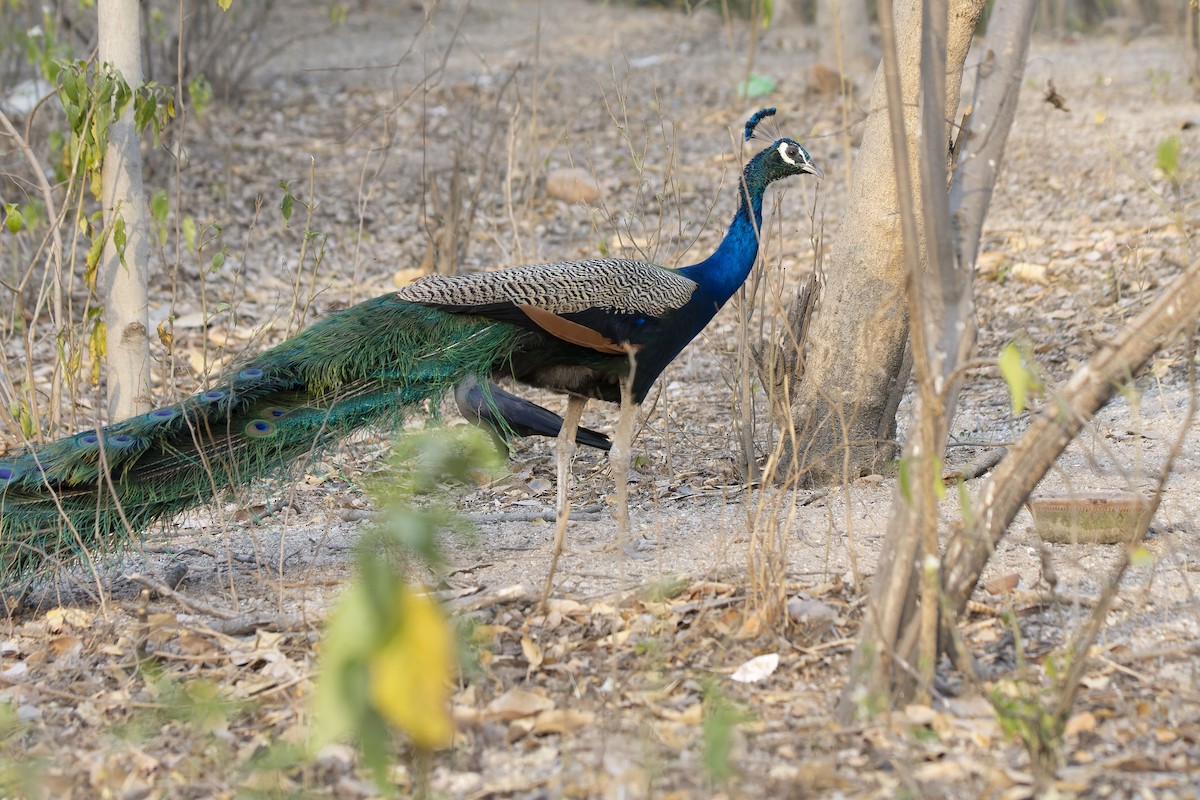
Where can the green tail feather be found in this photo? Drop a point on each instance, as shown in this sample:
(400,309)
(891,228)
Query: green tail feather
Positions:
(367,364)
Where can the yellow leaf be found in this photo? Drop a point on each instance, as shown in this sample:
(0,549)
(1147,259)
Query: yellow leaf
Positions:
(409,674)
(1016,375)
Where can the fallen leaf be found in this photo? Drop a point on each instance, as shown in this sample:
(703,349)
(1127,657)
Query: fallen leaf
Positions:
(756,669)
(533,653)
(562,720)
(58,618)
(692,715)
(516,703)
(941,772)
(195,645)
(1080,723)
(989,263)
(520,727)
(66,649)
(919,714)
(752,627)
(566,607)
(1003,584)
(1030,273)
(161,628)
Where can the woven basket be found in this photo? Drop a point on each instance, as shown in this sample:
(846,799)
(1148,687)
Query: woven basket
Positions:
(1091,518)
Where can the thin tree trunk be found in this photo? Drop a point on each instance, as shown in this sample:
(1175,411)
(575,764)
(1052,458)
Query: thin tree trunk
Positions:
(122,276)
(898,641)
(846,38)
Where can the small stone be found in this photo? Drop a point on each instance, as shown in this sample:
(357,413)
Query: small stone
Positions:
(572,185)
(815,617)
(1003,584)
(826,81)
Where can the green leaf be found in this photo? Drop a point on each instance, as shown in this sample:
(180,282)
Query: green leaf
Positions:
(904,480)
(200,93)
(12,218)
(285,205)
(1141,557)
(340,700)
(217,260)
(757,86)
(224,4)
(143,112)
(119,238)
(1016,374)
(93,260)
(722,716)
(1168,157)
(189,232)
(159,206)
(964,501)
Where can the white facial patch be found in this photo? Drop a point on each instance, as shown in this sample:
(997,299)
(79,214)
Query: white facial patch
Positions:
(783,153)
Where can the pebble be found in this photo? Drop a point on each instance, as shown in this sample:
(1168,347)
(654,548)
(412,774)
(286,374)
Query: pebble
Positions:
(572,185)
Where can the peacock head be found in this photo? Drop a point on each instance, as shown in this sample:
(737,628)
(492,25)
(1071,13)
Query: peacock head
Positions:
(782,158)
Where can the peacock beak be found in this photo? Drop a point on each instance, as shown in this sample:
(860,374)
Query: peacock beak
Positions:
(813,169)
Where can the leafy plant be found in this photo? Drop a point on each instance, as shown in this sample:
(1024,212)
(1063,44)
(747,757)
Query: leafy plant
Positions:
(389,651)
(93,98)
(1030,717)
(1167,158)
(721,719)
(1020,372)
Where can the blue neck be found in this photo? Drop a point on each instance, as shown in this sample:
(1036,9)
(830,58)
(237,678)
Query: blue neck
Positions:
(723,273)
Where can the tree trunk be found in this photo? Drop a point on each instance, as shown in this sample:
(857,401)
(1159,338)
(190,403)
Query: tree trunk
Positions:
(845,34)
(122,276)
(843,409)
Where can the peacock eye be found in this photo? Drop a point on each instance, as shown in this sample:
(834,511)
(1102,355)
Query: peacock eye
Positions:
(789,152)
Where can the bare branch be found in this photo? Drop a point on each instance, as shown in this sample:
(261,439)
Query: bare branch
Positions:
(1057,423)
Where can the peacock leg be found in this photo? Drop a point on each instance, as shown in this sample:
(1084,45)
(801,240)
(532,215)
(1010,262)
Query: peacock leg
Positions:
(565,451)
(619,457)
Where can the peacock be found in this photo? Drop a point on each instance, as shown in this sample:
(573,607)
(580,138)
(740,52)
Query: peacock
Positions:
(503,414)
(597,329)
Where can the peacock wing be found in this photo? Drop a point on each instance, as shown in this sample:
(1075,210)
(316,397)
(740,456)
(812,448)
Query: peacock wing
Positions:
(599,304)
